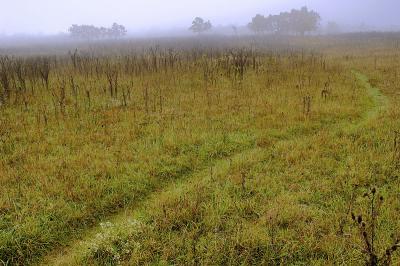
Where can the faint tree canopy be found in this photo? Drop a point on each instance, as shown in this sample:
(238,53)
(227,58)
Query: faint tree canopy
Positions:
(92,32)
(261,24)
(199,25)
(294,22)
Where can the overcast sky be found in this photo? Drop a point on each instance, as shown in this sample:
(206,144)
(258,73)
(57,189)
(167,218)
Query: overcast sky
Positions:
(55,16)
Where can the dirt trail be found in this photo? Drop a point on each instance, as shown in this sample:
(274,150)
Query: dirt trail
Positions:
(68,255)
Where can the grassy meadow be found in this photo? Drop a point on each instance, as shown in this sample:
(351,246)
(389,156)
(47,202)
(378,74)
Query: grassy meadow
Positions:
(228,152)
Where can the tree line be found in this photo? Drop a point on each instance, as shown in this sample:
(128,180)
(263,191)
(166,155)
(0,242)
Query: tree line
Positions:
(297,21)
(294,22)
(92,32)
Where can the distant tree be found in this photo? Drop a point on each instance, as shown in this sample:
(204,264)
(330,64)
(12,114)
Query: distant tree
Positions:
(199,25)
(262,24)
(304,20)
(117,30)
(104,32)
(282,23)
(258,24)
(84,31)
(92,32)
(74,31)
(296,21)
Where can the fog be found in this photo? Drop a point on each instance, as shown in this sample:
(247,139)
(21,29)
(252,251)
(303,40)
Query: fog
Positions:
(54,17)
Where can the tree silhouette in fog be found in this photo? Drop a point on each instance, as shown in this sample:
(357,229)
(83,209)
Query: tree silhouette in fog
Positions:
(92,32)
(257,23)
(296,21)
(117,31)
(199,25)
(304,20)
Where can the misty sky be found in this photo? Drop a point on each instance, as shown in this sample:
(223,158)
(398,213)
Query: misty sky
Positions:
(55,16)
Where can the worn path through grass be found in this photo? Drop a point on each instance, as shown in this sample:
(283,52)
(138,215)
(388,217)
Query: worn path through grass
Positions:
(379,100)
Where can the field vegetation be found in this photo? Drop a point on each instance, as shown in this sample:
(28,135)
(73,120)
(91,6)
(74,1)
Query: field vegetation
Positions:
(234,151)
